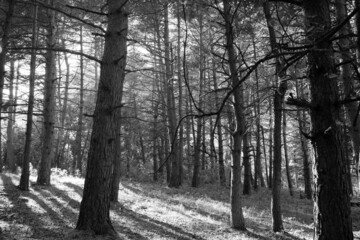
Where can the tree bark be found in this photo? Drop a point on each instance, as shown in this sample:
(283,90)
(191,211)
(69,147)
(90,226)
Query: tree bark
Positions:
(95,205)
(47,153)
(304,147)
(332,215)
(286,155)
(4,45)
(237,217)
(79,129)
(10,156)
(171,110)
(278,103)
(25,171)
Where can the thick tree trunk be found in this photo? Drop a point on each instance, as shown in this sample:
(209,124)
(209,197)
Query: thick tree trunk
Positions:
(95,205)
(25,172)
(47,153)
(349,91)
(332,214)
(237,217)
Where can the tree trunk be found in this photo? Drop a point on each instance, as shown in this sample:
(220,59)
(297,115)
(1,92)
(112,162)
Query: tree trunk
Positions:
(222,176)
(286,155)
(171,110)
(25,172)
(332,215)
(95,205)
(47,153)
(304,147)
(4,45)
(278,103)
(79,129)
(237,217)
(181,127)
(10,156)
(247,166)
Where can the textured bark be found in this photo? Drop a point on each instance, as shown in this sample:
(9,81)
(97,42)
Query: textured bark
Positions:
(237,217)
(95,205)
(332,215)
(25,171)
(47,153)
(349,91)
(278,103)
(6,27)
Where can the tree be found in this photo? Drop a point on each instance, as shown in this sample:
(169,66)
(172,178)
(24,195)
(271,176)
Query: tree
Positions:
(332,217)
(95,206)
(279,96)
(47,153)
(237,217)
(3,54)
(25,174)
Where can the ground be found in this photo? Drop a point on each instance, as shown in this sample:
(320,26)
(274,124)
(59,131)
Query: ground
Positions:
(148,211)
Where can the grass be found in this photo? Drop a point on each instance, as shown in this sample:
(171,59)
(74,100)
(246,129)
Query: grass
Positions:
(148,211)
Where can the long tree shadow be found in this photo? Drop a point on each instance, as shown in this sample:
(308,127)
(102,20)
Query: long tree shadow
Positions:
(38,222)
(158,227)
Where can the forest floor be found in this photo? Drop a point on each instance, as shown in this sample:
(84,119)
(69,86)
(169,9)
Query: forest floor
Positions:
(149,211)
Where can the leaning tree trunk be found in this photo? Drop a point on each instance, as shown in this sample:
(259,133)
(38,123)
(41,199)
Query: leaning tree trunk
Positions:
(95,205)
(47,153)
(332,215)
(237,217)
(25,171)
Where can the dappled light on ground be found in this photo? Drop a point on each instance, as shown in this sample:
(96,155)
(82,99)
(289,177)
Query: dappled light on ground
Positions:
(148,211)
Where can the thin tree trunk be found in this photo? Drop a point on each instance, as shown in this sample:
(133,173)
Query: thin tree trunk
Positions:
(304,147)
(171,110)
(247,165)
(237,217)
(181,127)
(286,155)
(222,176)
(25,172)
(79,129)
(47,154)
(4,45)
(95,206)
(278,103)
(10,156)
